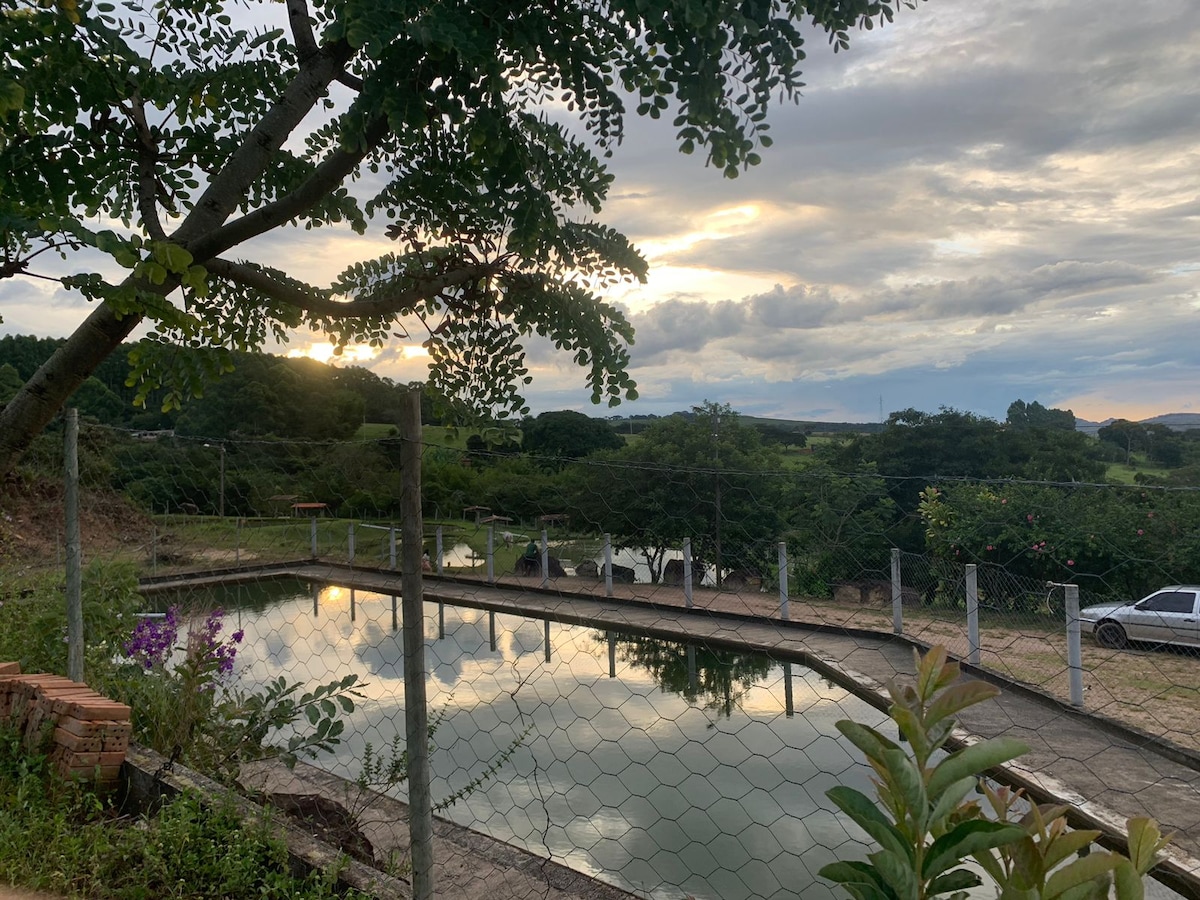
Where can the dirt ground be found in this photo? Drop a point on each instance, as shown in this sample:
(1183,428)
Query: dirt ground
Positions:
(32,528)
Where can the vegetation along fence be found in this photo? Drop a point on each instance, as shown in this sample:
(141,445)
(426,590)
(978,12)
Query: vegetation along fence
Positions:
(634,661)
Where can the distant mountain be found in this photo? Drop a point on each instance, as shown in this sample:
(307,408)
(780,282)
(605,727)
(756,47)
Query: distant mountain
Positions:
(1174,421)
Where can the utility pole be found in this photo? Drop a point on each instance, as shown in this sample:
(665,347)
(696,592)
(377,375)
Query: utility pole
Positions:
(717,494)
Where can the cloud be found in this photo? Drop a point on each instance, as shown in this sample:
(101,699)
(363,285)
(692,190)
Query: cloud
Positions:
(978,203)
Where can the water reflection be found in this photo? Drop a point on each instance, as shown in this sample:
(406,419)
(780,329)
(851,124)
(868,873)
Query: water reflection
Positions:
(719,676)
(656,767)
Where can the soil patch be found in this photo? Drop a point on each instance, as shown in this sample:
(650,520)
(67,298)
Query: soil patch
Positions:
(32,522)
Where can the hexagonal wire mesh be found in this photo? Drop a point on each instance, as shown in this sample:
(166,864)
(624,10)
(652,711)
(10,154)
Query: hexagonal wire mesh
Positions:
(599,693)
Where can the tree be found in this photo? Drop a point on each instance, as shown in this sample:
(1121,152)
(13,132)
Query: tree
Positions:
(199,135)
(1127,435)
(567,434)
(10,382)
(1023,416)
(702,476)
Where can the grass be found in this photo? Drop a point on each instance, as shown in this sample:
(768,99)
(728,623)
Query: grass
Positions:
(1120,473)
(374,431)
(63,837)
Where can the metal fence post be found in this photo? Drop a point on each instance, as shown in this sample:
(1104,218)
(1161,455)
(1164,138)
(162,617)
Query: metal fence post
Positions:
(1074,652)
(312,536)
(392,547)
(783,580)
(687,572)
(789,698)
(416,711)
(74,549)
(353,606)
(350,539)
(441,556)
(897,594)
(608,580)
(237,541)
(545,560)
(972,614)
(154,550)
(491,554)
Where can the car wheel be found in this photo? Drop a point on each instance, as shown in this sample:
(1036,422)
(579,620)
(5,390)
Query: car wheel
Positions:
(1110,634)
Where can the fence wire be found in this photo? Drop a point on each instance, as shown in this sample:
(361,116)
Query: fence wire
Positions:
(582,713)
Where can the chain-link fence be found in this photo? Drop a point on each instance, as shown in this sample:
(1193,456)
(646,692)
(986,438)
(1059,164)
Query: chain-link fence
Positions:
(634,668)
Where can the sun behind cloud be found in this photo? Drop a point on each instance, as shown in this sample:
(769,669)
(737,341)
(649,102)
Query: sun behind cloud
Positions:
(324,352)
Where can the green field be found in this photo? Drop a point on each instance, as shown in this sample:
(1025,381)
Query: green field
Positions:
(1119,473)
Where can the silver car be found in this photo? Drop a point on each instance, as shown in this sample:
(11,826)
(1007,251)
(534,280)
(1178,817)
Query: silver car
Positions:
(1170,615)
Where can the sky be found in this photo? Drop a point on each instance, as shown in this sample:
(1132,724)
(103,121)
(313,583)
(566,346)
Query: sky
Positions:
(980,203)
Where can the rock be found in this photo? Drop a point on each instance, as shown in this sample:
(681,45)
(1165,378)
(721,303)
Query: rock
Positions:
(741,579)
(673,573)
(872,593)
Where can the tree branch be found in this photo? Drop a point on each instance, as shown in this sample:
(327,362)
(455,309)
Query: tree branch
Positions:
(228,188)
(388,303)
(331,172)
(306,44)
(147,155)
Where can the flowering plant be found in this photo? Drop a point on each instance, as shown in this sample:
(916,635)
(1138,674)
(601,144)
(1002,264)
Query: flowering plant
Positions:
(192,709)
(155,641)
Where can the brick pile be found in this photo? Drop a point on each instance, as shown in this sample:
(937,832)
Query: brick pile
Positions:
(84,734)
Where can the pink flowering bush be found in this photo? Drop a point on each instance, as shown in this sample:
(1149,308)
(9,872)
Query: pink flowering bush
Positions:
(1111,540)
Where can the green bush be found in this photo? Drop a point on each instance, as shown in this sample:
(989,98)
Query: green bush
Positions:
(927,824)
(60,836)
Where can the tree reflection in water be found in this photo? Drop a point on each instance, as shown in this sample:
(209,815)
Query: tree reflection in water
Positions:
(717,677)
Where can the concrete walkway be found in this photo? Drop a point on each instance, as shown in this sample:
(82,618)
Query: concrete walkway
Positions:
(1104,771)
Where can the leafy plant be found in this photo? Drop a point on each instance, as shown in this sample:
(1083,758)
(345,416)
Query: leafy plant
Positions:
(60,836)
(253,717)
(380,771)
(186,706)
(927,828)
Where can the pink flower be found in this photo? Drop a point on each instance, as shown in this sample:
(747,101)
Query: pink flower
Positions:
(1140,532)
(1029,518)
(1149,515)
(990,547)
(1002,502)
(1070,562)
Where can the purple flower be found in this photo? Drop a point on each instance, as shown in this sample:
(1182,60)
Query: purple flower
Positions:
(153,640)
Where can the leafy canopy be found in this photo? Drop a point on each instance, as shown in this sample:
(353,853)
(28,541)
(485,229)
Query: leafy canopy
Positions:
(162,137)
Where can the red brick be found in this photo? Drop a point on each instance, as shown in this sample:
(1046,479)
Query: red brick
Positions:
(78,743)
(100,709)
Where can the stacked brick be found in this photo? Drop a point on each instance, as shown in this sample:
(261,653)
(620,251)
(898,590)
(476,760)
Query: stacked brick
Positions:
(84,734)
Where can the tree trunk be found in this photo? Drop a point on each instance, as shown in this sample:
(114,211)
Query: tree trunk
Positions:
(39,401)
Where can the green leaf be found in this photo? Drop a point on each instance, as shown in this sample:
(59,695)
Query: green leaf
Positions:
(859,878)
(1145,842)
(1079,872)
(865,738)
(906,779)
(950,799)
(954,880)
(12,96)
(897,871)
(958,697)
(965,839)
(1128,882)
(868,817)
(973,760)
